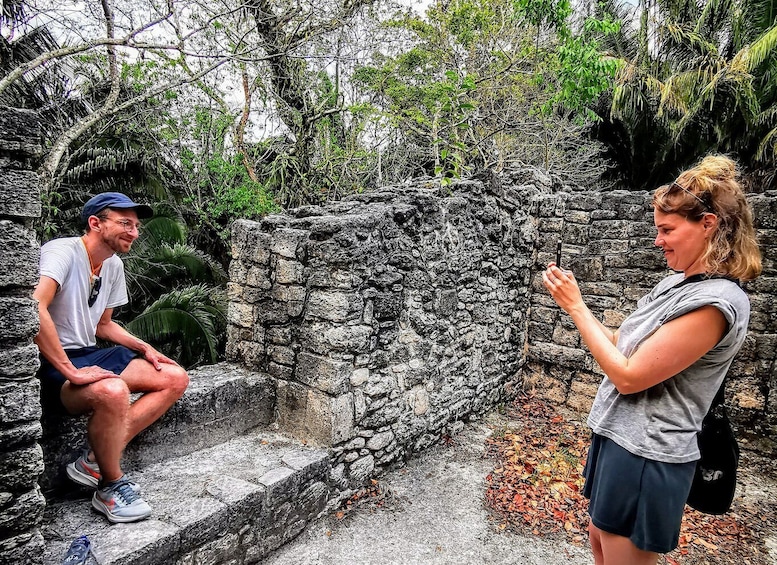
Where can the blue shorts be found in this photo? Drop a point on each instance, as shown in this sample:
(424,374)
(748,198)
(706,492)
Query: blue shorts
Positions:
(634,497)
(114,359)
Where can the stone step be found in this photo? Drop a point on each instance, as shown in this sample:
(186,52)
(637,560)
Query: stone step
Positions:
(222,401)
(231,503)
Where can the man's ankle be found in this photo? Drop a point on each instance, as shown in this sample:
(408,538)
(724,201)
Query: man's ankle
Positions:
(104,482)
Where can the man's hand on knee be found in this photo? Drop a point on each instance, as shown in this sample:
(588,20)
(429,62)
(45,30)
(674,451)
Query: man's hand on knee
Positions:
(156,358)
(91,374)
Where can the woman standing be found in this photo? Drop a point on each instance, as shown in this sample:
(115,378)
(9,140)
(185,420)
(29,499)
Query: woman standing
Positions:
(665,363)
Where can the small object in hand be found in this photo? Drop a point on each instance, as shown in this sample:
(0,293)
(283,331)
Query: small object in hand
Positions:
(78,552)
(558,254)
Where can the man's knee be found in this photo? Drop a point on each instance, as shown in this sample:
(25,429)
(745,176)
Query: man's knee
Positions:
(109,392)
(178,379)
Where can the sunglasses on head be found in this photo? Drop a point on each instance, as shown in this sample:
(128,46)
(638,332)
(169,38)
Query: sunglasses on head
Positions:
(95,291)
(706,205)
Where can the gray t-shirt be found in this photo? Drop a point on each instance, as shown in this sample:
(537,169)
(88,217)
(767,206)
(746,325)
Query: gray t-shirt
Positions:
(661,423)
(65,260)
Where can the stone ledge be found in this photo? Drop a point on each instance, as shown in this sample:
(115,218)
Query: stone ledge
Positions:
(234,502)
(222,401)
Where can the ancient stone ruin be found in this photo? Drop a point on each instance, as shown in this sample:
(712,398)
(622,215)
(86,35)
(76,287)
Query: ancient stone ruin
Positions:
(360,332)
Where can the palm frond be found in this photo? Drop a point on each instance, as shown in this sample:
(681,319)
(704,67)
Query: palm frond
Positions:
(762,49)
(187,323)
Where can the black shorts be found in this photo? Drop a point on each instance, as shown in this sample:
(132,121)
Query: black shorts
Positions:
(114,359)
(634,497)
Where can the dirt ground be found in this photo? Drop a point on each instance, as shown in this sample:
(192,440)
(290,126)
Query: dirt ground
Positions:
(530,436)
(436,510)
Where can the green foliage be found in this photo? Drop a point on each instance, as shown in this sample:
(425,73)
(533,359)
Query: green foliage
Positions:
(185,324)
(161,259)
(705,82)
(233,194)
(584,73)
(478,87)
(552,14)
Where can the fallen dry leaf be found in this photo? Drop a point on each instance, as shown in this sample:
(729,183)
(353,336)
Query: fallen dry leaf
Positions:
(537,481)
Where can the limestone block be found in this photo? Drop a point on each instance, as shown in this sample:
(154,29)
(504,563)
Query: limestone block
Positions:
(19,469)
(234,292)
(240,230)
(387,415)
(568,338)
(361,469)
(646,258)
(607,247)
(333,306)
(322,373)
(285,241)
(359,405)
(613,318)
(279,335)
(360,376)
(274,313)
(380,440)
(259,277)
(545,315)
(20,257)
(387,305)
(280,371)
(310,414)
(745,393)
(288,293)
(19,362)
(20,401)
(586,202)
(18,318)
(281,355)
(23,512)
(22,549)
(238,272)
(19,193)
(288,272)
(17,124)
(325,338)
(20,435)
(610,229)
(241,315)
(333,278)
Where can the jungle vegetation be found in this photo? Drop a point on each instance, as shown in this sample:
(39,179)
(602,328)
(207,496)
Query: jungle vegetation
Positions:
(214,110)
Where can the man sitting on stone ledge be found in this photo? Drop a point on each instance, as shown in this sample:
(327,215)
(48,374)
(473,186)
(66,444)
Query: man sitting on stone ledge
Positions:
(82,281)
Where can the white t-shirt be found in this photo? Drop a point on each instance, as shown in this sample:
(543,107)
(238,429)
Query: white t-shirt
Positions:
(65,260)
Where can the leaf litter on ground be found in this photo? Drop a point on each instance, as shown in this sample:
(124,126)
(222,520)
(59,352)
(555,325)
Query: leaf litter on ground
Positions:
(537,481)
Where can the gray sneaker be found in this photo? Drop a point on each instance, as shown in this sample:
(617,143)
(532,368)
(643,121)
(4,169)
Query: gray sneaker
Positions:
(120,503)
(87,473)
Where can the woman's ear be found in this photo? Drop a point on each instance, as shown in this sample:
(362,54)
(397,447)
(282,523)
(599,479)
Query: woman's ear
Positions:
(710,222)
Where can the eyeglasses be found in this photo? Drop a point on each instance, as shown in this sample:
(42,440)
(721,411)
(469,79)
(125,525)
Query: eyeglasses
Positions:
(128,225)
(707,206)
(97,282)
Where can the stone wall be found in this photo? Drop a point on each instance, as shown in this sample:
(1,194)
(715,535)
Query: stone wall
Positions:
(389,317)
(21,459)
(608,242)
(386,318)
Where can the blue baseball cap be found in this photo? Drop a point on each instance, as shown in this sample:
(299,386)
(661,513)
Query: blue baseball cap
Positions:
(105,200)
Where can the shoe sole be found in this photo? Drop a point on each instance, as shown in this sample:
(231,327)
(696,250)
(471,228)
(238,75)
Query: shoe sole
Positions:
(81,478)
(98,505)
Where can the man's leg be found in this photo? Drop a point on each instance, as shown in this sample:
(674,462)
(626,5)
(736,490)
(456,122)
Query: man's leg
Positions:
(114,422)
(161,390)
(108,402)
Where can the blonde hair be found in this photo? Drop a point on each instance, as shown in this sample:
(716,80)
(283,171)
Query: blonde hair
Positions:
(712,187)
